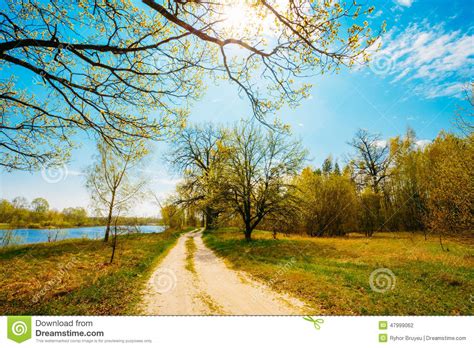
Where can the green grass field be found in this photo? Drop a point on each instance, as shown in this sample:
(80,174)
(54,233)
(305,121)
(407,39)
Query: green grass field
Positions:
(332,274)
(73,277)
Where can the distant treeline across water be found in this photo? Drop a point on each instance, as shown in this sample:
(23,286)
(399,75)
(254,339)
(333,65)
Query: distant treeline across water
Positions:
(28,236)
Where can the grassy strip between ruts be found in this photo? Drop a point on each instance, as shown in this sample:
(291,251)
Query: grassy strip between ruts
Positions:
(190,250)
(332,274)
(73,277)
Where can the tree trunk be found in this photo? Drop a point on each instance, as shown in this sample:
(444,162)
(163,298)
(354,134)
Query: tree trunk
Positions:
(114,245)
(441,242)
(248,235)
(109,218)
(107,228)
(210,218)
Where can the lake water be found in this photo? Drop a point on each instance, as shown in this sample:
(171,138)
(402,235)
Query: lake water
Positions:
(28,236)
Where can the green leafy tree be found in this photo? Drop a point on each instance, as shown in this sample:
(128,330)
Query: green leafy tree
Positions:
(114,182)
(260,164)
(40,205)
(327,167)
(7,211)
(370,216)
(76,216)
(327,203)
(173,215)
(198,154)
(448,178)
(120,71)
(407,195)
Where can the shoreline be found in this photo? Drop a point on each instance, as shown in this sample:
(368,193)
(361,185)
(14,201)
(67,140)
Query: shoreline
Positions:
(63,235)
(9,228)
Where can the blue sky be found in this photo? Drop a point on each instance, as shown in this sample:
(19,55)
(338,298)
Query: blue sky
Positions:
(415,80)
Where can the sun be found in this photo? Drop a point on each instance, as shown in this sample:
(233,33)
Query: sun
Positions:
(237,18)
(245,18)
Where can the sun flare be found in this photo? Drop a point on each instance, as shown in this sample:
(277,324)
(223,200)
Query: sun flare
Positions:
(241,18)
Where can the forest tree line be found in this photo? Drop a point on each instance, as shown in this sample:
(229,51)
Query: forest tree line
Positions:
(19,212)
(252,176)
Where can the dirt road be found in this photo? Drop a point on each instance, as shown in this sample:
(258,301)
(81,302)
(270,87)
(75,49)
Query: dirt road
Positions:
(192,280)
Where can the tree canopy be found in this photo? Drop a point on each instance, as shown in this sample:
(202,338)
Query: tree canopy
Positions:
(122,70)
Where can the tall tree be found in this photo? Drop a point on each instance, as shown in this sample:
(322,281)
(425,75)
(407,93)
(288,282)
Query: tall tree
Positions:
(172,214)
(326,168)
(40,205)
(371,169)
(20,202)
(105,66)
(259,169)
(197,153)
(372,159)
(407,194)
(113,180)
(448,177)
(7,210)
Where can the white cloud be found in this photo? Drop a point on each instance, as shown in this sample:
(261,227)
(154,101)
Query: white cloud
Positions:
(422,143)
(406,3)
(436,61)
(376,14)
(443,90)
